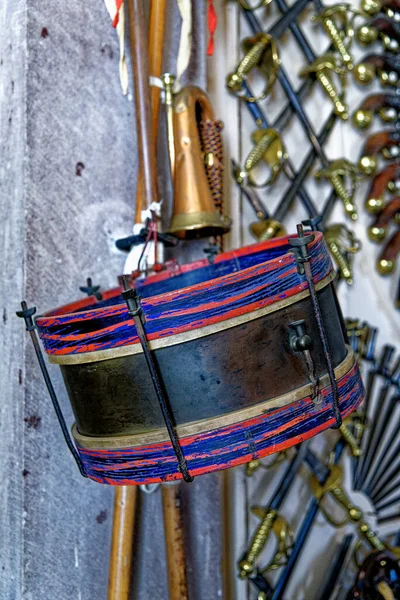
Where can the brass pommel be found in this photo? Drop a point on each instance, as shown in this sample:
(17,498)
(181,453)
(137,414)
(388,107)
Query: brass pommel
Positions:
(363,118)
(367,35)
(385,266)
(364,73)
(374,205)
(377,234)
(368,165)
(370,7)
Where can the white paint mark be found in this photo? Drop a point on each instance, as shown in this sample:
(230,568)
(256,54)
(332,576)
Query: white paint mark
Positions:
(76,557)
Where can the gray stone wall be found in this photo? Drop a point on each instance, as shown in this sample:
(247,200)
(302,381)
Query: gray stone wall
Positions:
(67,187)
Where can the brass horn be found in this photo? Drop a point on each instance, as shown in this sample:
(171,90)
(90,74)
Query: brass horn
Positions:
(197,171)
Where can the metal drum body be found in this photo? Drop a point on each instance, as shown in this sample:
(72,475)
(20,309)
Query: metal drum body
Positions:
(220,338)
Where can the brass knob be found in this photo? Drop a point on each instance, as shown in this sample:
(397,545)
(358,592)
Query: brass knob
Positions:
(377,234)
(374,205)
(368,165)
(363,118)
(364,73)
(385,267)
(367,35)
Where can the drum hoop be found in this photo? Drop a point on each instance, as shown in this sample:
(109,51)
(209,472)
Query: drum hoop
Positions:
(71,308)
(208,425)
(187,336)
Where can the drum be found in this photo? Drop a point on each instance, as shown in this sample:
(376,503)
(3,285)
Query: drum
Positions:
(221,336)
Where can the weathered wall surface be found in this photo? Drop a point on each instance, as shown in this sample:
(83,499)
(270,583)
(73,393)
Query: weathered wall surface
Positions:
(68,179)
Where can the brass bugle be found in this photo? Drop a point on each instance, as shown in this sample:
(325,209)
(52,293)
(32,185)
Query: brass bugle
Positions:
(198,168)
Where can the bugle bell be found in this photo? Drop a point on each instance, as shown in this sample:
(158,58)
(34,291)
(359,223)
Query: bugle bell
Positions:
(198,168)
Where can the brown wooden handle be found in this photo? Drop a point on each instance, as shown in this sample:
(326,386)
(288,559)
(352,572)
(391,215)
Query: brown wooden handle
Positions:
(380,140)
(387,260)
(375,102)
(122,542)
(387,214)
(145,140)
(155,59)
(393,4)
(381,181)
(385,25)
(174,542)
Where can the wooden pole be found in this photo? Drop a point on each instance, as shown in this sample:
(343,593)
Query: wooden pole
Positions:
(155,58)
(174,542)
(145,140)
(122,542)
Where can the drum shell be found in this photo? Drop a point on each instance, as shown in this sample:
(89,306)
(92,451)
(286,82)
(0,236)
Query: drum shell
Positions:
(204,377)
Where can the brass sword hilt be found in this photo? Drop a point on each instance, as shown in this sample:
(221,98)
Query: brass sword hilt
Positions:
(343,244)
(268,147)
(338,24)
(271,522)
(350,439)
(260,4)
(260,51)
(333,487)
(323,68)
(338,172)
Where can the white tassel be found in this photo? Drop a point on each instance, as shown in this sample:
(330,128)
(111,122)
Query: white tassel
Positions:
(123,69)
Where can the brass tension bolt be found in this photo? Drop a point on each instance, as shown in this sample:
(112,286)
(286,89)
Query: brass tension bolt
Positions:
(341,37)
(322,68)
(337,172)
(260,51)
(342,244)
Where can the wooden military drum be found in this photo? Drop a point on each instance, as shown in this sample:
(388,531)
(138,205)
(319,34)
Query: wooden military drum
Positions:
(221,337)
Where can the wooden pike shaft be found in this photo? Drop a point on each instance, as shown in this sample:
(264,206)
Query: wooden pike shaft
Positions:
(121,542)
(145,140)
(174,542)
(155,57)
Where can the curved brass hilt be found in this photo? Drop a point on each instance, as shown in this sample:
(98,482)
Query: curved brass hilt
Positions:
(271,522)
(338,24)
(343,244)
(362,332)
(244,4)
(350,439)
(322,68)
(268,147)
(266,229)
(338,172)
(333,487)
(260,51)
(255,465)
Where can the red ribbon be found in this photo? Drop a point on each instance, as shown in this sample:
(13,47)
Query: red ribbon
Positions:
(118,4)
(212,26)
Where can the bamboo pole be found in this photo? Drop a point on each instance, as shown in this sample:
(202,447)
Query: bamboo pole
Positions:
(122,542)
(174,542)
(145,140)
(155,58)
